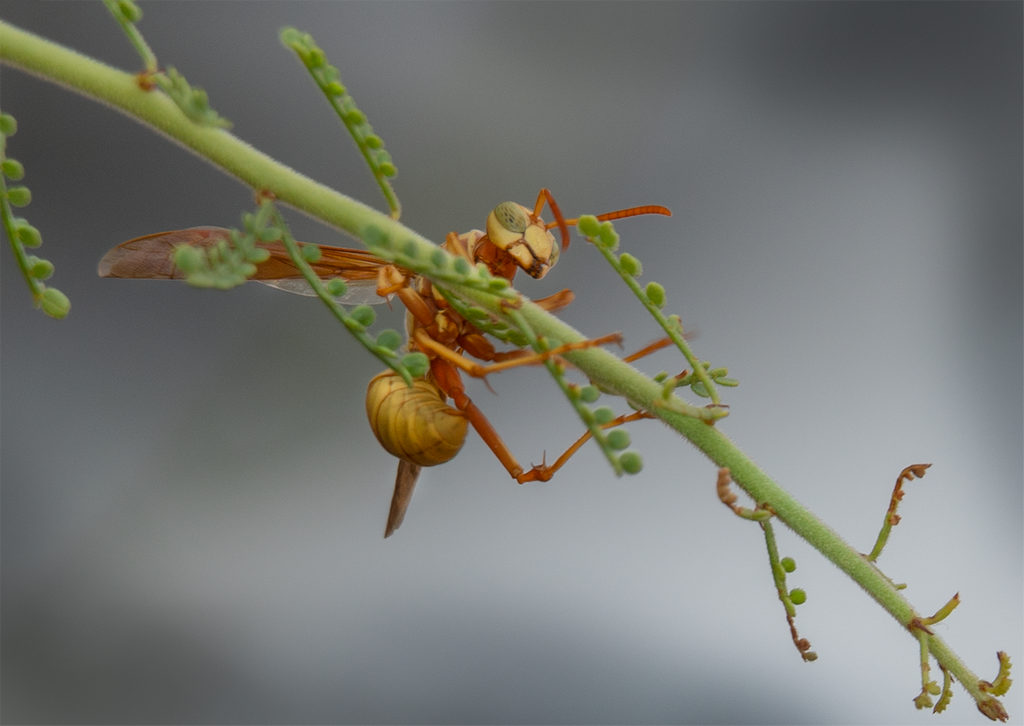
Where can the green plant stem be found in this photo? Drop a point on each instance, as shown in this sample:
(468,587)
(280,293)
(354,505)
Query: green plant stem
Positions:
(17,248)
(55,63)
(99,81)
(611,373)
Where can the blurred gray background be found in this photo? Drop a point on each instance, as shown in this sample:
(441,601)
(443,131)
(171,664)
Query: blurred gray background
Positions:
(193,502)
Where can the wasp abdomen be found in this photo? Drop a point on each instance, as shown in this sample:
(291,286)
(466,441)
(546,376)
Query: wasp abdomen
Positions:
(414,424)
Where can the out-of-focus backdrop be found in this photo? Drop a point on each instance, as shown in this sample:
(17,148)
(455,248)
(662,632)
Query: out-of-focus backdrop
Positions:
(193,503)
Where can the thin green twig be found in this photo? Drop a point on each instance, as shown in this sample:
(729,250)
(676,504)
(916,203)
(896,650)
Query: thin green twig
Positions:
(328,78)
(602,235)
(127,14)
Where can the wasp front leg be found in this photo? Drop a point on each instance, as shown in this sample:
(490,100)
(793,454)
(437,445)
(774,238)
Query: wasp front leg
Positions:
(511,359)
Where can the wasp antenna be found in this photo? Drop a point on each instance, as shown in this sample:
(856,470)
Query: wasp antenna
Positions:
(560,221)
(622,213)
(634,212)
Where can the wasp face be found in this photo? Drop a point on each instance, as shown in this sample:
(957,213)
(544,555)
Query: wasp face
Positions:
(514,229)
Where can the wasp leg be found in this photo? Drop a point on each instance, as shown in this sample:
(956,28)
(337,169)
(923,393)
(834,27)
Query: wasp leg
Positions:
(559,300)
(426,343)
(450,382)
(648,349)
(543,472)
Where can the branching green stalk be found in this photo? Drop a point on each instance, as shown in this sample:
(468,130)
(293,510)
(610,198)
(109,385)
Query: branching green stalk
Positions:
(392,240)
(360,318)
(126,15)
(370,145)
(605,239)
(21,234)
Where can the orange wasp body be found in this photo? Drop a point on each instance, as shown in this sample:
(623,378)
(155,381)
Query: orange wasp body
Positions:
(415,424)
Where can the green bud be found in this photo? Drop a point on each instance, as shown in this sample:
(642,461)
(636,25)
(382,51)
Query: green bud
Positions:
(700,389)
(336,286)
(388,169)
(462,266)
(788,564)
(608,236)
(389,338)
(497,284)
(19,196)
(189,259)
(417,363)
(727,382)
(8,125)
(315,57)
(13,169)
(373,141)
(256,255)
(439,259)
(355,117)
(589,394)
(630,265)
(290,37)
(311,253)
(334,89)
(588,225)
(797,596)
(129,11)
(39,268)
(55,303)
(364,315)
(618,439)
(603,415)
(717,373)
(269,234)
(29,235)
(656,294)
(631,462)
(410,250)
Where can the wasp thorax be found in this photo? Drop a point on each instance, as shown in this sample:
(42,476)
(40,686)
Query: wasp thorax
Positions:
(511,229)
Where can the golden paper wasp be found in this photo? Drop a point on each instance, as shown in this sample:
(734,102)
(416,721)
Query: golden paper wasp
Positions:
(416,424)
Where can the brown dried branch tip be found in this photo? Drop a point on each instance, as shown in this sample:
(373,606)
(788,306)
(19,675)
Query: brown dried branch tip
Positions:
(1002,683)
(762,514)
(992,707)
(729,499)
(914,471)
(726,494)
(802,644)
(947,691)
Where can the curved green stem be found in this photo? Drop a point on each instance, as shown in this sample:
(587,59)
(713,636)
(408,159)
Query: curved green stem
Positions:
(99,81)
(391,240)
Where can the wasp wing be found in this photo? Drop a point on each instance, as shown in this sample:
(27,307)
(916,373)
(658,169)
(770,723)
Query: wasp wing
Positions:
(152,258)
(358,292)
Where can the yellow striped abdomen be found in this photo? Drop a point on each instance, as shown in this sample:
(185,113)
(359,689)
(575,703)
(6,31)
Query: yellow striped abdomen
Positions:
(414,424)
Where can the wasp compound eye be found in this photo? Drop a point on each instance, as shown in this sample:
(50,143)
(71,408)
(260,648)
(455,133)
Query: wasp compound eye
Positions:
(512,217)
